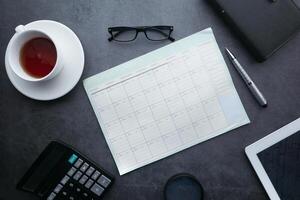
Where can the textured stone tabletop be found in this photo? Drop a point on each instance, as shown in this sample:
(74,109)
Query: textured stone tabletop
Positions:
(27,126)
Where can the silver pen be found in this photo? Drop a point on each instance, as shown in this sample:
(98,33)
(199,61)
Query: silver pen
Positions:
(250,84)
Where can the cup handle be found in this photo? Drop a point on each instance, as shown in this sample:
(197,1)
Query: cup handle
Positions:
(20,28)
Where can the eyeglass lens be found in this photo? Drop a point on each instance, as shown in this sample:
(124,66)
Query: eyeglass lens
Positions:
(157,34)
(124,35)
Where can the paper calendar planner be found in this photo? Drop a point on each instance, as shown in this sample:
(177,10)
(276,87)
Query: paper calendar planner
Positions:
(165,101)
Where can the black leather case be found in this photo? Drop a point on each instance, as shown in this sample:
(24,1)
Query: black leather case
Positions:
(263,25)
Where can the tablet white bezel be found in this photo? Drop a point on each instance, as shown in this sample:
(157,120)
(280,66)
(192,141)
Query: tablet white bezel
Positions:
(264,143)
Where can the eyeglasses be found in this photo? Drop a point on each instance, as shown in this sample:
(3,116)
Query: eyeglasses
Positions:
(128,34)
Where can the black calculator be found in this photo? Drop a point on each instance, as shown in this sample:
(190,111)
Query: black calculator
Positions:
(60,172)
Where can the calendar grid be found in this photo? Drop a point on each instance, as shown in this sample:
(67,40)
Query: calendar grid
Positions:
(165,108)
(177,128)
(153,116)
(137,120)
(178,92)
(170,114)
(199,97)
(214,86)
(121,124)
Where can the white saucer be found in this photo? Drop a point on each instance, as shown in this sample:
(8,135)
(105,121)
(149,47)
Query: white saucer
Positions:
(69,75)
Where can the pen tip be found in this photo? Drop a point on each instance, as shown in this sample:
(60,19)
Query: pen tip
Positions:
(265,105)
(229,53)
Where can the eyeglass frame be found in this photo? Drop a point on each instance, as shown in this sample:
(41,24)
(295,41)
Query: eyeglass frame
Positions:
(141,29)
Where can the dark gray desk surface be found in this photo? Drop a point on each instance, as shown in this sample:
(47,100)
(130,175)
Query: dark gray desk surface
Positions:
(27,126)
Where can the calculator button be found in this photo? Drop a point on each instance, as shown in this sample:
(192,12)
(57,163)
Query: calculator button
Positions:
(89,183)
(58,188)
(97,189)
(71,198)
(78,189)
(72,159)
(71,171)
(83,179)
(78,163)
(85,194)
(51,196)
(84,167)
(95,175)
(90,171)
(77,175)
(104,181)
(64,180)
(64,193)
(71,185)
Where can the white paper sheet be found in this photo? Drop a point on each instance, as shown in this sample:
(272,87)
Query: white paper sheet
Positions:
(157,107)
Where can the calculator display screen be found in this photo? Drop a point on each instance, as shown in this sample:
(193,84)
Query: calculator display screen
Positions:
(281,162)
(43,169)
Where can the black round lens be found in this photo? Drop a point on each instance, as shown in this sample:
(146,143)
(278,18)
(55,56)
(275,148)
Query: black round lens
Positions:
(183,187)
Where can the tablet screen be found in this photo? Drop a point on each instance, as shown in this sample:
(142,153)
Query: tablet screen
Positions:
(281,162)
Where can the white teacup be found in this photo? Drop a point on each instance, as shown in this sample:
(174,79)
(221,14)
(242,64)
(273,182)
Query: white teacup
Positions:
(22,36)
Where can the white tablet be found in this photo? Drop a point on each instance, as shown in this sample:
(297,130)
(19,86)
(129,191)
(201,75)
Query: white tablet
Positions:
(276,160)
